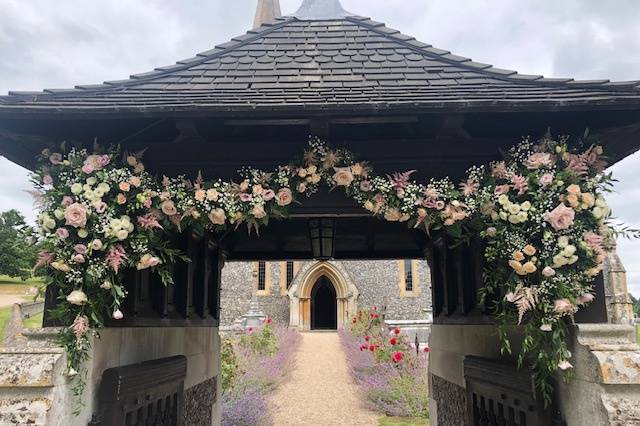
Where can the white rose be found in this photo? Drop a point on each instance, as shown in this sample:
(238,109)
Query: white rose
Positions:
(122,234)
(76,188)
(514,209)
(522,217)
(569,250)
(563,241)
(86,187)
(503,199)
(559,260)
(59,214)
(99,192)
(514,219)
(526,206)
(92,180)
(572,260)
(504,215)
(104,187)
(82,233)
(49,223)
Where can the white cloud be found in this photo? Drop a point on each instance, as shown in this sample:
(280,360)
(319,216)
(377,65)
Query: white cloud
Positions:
(66,42)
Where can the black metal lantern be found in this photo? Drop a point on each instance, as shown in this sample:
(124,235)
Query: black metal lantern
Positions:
(322,232)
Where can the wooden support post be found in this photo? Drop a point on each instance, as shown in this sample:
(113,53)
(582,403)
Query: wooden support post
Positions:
(217,258)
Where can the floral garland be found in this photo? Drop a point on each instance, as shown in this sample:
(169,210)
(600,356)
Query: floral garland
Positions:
(541,212)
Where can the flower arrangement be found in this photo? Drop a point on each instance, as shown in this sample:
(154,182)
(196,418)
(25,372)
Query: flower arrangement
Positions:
(541,211)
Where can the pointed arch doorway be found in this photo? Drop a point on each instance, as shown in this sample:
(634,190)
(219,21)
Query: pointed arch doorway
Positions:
(324,305)
(321,296)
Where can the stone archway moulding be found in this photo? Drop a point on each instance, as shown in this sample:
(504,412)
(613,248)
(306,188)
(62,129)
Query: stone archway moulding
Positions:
(300,293)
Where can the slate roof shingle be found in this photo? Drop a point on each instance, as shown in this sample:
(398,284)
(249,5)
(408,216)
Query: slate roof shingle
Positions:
(346,63)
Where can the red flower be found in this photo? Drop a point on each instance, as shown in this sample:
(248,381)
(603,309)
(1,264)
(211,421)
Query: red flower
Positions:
(354,321)
(250,330)
(372,348)
(375,308)
(397,356)
(363,347)
(268,320)
(393,341)
(427,350)
(396,330)
(366,338)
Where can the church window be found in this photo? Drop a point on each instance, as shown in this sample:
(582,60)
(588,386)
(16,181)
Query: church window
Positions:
(290,273)
(408,275)
(262,276)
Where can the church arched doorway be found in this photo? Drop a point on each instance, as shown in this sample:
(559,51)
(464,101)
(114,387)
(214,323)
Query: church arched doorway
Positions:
(324,305)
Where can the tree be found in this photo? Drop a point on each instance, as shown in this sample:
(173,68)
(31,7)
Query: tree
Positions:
(18,251)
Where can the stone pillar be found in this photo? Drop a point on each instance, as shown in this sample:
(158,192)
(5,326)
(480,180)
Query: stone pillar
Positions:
(605,387)
(619,305)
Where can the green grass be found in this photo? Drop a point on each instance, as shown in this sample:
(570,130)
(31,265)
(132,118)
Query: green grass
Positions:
(402,421)
(5,313)
(10,285)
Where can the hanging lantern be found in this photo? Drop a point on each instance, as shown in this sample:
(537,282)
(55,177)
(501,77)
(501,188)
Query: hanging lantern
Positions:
(322,232)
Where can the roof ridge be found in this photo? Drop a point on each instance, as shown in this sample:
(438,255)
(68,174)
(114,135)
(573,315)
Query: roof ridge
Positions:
(482,68)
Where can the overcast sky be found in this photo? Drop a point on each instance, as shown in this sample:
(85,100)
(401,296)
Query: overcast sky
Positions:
(62,43)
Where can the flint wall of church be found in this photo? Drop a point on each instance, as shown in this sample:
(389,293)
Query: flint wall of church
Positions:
(380,283)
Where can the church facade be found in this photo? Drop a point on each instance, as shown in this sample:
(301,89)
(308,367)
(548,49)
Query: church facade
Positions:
(315,295)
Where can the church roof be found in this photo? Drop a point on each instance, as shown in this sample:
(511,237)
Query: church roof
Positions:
(311,62)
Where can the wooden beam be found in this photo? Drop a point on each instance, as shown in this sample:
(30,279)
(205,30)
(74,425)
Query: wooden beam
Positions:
(269,122)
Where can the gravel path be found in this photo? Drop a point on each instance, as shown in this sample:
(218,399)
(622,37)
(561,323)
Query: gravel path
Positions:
(320,391)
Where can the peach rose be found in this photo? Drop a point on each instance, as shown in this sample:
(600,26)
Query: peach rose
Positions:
(200,195)
(572,199)
(217,217)
(561,217)
(284,197)
(573,189)
(135,181)
(529,250)
(169,208)
(124,186)
(258,211)
(212,195)
(343,176)
(76,215)
(121,199)
(357,169)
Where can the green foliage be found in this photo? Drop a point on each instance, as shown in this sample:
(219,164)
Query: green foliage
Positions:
(229,364)
(402,421)
(18,251)
(366,322)
(261,341)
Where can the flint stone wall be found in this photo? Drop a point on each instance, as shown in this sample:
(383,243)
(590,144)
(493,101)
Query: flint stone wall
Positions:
(377,281)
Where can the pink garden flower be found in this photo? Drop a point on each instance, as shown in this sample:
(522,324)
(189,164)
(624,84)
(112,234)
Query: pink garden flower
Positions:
(80,249)
(499,170)
(268,195)
(67,201)
(87,168)
(169,208)
(80,326)
(55,158)
(44,258)
(47,179)
(585,299)
(149,221)
(501,189)
(115,257)
(343,176)
(594,241)
(117,314)
(519,183)
(561,217)
(100,207)
(365,186)
(565,365)
(245,198)
(539,160)
(78,258)
(469,188)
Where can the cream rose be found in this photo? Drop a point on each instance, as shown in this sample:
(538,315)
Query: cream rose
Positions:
(217,217)
(563,306)
(147,261)
(561,217)
(77,297)
(343,176)
(76,215)
(393,215)
(200,195)
(258,211)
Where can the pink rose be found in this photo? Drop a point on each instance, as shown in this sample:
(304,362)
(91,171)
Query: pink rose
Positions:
(78,258)
(80,249)
(117,314)
(67,201)
(76,215)
(55,158)
(492,232)
(585,298)
(62,233)
(561,217)
(94,162)
(245,198)
(563,306)
(548,271)
(546,179)
(103,160)
(268,195)
(539,160)
(87,168)
(47,179)
(169,208)
(343,176)
(100,207)
(365,186)
(284,197)
(302,187)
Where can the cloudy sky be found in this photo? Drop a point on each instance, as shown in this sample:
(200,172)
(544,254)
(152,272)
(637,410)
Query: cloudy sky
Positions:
(53,44)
